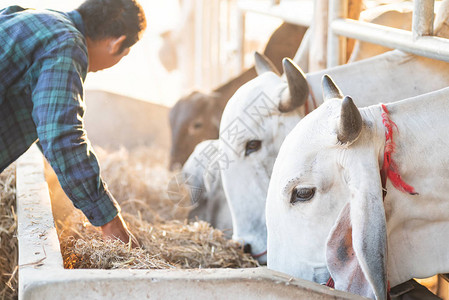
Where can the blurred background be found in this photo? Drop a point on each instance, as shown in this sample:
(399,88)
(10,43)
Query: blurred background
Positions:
(142,74)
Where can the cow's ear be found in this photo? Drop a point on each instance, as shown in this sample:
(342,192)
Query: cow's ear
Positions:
(298,88)
(341,259)
(350,122)
(356,250)
(330,89)
(264,64)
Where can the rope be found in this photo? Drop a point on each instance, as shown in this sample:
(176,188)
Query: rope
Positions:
(389,166)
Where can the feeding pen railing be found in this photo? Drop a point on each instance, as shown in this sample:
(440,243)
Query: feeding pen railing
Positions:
(294,12)
(419,41)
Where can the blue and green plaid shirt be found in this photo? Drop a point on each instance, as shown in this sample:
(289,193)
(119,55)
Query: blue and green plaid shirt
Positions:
(43,64)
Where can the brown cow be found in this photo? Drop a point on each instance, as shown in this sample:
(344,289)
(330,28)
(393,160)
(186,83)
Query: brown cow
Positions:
(196,117)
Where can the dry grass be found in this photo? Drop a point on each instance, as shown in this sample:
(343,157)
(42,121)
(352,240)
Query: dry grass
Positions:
(165,245)
(139,180)
(8,234)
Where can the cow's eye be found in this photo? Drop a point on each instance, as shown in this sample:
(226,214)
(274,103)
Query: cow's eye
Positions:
(197,125)
(252,146)
(301,195)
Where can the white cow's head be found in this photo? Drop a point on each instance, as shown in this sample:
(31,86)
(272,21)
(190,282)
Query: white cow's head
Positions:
(254,123)
(202,175)
(327,170)
(202,172)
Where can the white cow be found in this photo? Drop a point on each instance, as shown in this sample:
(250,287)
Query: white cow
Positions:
(325,196)
(242,132)
(253,127)
(202,174)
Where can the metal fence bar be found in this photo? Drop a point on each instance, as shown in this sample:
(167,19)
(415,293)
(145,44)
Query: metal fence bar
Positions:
(420,41)
(294,12)
(198,71)
(336,45)
(428,46)
(319,32)
(423,15)
(241,27)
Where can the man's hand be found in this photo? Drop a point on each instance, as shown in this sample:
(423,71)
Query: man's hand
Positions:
(116,229)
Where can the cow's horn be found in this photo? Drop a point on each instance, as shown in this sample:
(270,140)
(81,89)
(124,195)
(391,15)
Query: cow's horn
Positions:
(298,88)
(264,64)
(330,89)
(350,122)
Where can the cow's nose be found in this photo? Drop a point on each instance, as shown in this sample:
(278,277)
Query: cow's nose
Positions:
(247,248)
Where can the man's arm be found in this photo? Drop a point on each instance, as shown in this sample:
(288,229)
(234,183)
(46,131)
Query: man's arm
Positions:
(58,114)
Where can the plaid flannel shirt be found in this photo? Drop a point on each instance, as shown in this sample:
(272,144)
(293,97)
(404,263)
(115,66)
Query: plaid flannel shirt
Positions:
(43,64)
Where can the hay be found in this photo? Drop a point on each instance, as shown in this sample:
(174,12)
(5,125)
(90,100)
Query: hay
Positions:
(8,234)
(164,245)
(139,180)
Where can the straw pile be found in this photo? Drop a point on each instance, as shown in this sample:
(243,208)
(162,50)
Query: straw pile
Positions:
(139,181)
(165,245)
(8,232)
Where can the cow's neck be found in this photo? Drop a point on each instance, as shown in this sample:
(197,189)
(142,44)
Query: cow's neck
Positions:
(384,78)
(418,225)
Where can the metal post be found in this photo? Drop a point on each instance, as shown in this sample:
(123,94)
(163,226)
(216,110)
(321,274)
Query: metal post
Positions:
(318,37)
(423,14)
(228,38)
(198,72)
(336,45)
(214,43)
(240,39)
(206,59)
(354,10)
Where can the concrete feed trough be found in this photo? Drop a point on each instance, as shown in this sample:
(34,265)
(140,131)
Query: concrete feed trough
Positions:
(42,276)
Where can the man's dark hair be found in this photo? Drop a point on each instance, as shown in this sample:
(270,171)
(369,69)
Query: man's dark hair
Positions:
(113,18)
